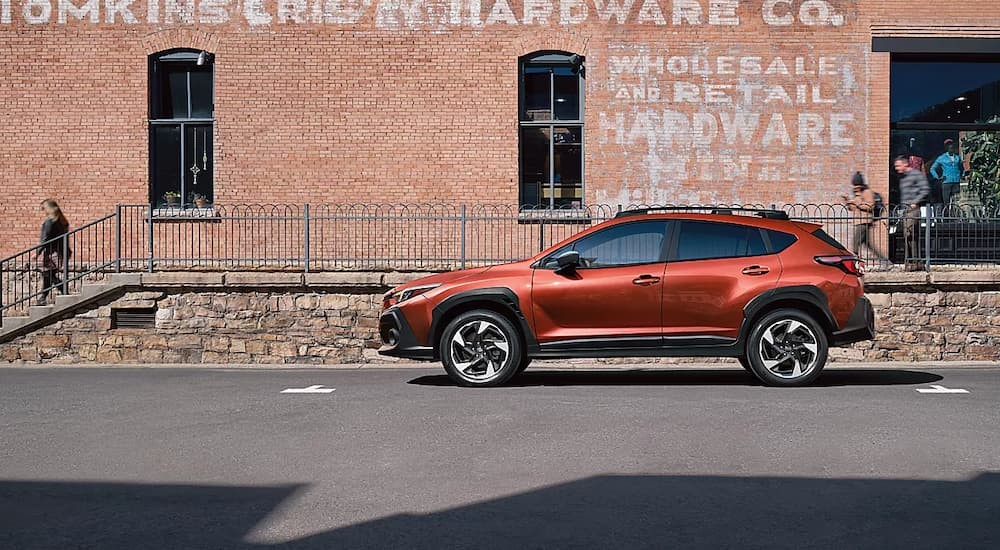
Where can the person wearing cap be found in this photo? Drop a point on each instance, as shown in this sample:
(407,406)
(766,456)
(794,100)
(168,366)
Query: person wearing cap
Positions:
(949,168)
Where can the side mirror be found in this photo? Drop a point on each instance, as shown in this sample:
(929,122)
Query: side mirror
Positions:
(568,261)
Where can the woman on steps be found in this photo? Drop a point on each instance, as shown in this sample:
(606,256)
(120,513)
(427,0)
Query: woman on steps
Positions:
(51,251)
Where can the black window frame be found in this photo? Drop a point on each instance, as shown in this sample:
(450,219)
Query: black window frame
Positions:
(679,229)
(189,57)
(668,232)
(550,59)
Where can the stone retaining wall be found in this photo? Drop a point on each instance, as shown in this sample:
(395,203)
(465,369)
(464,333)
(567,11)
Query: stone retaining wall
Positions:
(332,318)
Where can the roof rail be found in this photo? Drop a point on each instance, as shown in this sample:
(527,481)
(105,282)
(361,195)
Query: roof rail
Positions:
(761,212)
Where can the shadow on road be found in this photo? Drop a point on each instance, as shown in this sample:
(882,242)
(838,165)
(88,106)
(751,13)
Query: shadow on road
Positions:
(696,377)
(595,512)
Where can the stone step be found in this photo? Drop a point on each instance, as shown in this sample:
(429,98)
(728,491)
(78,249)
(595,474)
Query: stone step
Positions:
(40,312)
(64,300)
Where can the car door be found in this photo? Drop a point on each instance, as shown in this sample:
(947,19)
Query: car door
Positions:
(611,300)
(715,269)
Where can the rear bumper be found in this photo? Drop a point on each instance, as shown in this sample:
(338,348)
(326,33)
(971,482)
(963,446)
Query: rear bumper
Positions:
(398,339)
(860,325)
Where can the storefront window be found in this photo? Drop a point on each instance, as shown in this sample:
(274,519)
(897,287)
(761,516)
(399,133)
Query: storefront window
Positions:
(551,135)
(181,128)
(945,117)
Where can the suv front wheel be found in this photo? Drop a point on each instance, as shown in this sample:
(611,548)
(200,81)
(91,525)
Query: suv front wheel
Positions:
(787,347)
(481,348)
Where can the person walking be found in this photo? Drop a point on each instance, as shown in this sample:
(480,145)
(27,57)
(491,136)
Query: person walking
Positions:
(949,168)
(913,192)
(862,205)
(51,250)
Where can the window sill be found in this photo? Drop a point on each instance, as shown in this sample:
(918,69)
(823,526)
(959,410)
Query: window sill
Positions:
(564,216)
(170,214)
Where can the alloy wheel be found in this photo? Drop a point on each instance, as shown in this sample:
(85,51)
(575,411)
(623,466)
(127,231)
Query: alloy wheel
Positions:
(479,350)
(789,349)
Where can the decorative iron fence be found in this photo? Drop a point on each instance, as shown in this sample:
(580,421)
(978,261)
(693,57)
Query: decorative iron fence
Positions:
(427,237)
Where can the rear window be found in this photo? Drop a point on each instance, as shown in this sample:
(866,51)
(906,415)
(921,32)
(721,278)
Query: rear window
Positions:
(823,236)
(779,240)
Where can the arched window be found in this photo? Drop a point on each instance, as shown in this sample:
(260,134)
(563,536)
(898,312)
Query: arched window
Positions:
(181,124)
(551,129)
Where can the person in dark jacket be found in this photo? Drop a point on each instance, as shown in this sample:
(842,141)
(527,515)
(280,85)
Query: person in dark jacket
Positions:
(913,193)
(52,251)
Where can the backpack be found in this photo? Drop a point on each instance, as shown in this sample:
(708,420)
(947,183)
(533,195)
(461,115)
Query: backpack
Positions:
(879,208)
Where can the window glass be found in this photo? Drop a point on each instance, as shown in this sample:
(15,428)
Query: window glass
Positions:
(755,243)
(567,177)
(537,96)
(780,240)
(166,165)
(197,163)
(201,94)
(704,240)
(534,164)
(946,89)
(624,244)
(567,93)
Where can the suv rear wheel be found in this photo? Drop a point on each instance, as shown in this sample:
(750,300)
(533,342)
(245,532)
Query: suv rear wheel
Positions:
(481,348)
(787,347)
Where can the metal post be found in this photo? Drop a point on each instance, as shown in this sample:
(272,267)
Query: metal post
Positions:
(928,215)
(118,238)
(462,237)
(541,233)
(149,236)
(64,285)
(305,232)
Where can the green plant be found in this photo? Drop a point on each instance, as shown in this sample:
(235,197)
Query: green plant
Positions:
(983,149)
(171,195)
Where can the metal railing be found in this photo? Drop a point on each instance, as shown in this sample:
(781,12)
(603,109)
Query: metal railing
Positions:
(427,237)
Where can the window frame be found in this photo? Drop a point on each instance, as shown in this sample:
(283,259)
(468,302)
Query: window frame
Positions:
(668,233)
(674,245)
(550,59)
(154,85)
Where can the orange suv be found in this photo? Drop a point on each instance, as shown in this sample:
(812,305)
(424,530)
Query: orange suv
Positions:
(658,282)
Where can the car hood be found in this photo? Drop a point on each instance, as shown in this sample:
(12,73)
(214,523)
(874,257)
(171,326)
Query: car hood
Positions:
(442,278)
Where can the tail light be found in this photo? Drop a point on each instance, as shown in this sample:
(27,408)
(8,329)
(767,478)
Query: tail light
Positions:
(851,265)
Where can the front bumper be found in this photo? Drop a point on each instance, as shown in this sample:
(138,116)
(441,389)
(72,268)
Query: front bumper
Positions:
(859,326)
(398,339)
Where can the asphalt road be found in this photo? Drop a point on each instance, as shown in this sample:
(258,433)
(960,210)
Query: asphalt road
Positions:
(185,458)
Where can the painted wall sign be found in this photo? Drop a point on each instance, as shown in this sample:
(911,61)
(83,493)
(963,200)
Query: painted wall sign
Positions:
(696,115)
(419,14)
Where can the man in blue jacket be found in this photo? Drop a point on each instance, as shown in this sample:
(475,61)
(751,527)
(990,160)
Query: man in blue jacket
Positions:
(949,168)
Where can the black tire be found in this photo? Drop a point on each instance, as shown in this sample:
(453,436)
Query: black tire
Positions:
(525,361)
(793,334)
(486,364)
(745,363)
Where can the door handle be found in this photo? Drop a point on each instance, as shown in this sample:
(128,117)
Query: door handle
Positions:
(645,280)
(756,270)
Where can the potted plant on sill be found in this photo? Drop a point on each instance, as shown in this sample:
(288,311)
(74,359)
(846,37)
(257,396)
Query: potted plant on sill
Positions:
(172,199)
(199,201)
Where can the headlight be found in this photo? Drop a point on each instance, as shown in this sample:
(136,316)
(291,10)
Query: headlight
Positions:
(394,297)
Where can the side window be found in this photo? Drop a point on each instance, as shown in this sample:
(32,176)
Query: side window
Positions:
(706,240)
(779,240)
(623,244)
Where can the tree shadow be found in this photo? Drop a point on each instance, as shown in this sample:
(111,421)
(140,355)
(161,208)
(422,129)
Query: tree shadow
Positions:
(694,377)
(635,511)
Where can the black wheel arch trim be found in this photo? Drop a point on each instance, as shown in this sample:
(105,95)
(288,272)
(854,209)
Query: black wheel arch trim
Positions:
(801,293)
(501,296)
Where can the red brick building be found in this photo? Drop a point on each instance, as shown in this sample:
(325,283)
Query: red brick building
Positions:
(558,102)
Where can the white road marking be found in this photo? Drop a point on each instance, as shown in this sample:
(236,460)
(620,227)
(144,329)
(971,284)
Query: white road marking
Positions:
(941,389)
(318,388)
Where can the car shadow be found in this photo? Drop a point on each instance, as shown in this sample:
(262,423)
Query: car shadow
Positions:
(603,511)
(695,377)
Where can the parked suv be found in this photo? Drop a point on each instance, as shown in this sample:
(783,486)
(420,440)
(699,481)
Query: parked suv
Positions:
(753,285)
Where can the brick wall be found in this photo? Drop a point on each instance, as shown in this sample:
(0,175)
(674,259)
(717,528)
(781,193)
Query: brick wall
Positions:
(270,318)
(416,100)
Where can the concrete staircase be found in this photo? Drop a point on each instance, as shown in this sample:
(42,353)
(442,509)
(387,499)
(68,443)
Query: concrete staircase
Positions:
(67,305)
